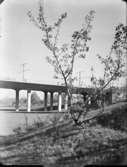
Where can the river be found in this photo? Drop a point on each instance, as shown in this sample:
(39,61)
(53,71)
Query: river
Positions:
(10,120)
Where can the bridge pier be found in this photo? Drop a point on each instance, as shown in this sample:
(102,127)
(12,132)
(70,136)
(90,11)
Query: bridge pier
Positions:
(51,101)
(59,101)
(17,100)
(45,101)
(66,102)
(29,100)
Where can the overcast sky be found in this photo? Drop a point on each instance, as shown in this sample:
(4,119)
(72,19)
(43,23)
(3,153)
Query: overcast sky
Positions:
(21,40)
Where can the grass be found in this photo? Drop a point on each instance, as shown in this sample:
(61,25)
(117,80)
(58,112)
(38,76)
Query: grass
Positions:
(61,141)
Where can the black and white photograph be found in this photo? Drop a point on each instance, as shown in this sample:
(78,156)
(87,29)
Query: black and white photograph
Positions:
(63,82)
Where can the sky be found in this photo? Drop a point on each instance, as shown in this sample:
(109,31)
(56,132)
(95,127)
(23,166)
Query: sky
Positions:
(21,43)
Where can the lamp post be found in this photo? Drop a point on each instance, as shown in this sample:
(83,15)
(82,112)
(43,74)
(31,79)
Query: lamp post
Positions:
(126,42)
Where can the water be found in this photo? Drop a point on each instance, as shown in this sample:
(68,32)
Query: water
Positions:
(10,120)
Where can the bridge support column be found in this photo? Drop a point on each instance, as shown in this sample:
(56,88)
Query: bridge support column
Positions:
(17,100)
(45,101)
(59,102)
(29,100)
(51,101)
(66,102)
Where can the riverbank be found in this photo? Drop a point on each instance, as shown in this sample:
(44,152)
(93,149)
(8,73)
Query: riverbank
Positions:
(61,144)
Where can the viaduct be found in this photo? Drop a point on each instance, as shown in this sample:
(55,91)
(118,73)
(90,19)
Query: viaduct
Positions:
(17,86)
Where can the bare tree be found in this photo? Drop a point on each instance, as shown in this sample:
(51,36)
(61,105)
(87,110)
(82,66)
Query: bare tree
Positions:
(114,68)
(114,63)
(63,56)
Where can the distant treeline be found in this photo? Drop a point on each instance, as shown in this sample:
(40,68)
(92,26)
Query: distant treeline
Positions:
(35,101)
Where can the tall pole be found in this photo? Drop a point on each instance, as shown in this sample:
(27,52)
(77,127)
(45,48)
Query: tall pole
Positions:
(23,71)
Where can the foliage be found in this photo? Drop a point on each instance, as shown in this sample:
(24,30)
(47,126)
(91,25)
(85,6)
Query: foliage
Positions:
(100,143)
(115,119)
(35,98)
(38,123)
(55,119)
(93,145)
(18,130)
(114,64)
(120,41)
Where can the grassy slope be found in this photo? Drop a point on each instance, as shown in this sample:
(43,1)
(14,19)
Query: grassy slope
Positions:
(65,143)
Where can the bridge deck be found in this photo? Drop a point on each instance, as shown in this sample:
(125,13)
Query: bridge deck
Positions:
(30,86)
(38,87)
